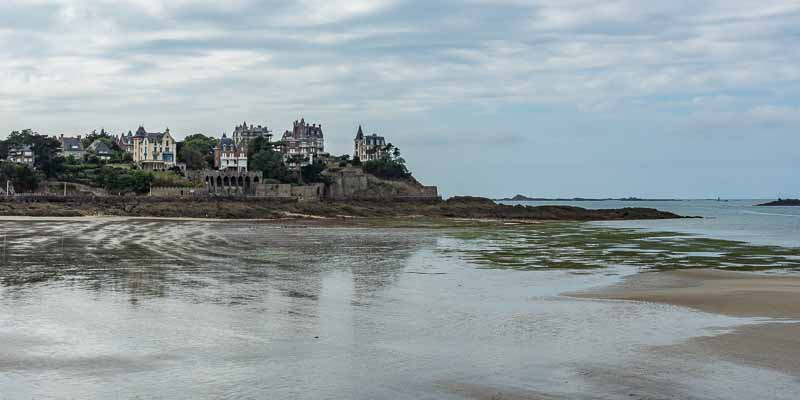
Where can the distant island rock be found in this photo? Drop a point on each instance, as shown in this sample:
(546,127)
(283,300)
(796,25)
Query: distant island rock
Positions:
(520,197)
(782,202)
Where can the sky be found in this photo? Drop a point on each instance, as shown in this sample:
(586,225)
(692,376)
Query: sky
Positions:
(551,98)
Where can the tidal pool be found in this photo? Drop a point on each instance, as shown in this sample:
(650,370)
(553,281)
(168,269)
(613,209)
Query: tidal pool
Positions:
(98,309)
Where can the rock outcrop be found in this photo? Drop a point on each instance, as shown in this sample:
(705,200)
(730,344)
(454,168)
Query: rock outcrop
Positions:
(782,202)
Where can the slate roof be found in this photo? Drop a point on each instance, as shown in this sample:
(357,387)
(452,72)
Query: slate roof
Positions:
(71,144)
(100,147)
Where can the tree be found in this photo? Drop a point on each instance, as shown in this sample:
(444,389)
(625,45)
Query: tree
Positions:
(260,143)
(389,166)
(119,180)
(22,177)
(193,157)
(197,151)
(103,136)
(45,150)
(312,173)
(271,165)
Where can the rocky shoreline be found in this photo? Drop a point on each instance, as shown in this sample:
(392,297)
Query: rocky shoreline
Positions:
(782,202)
(250,208)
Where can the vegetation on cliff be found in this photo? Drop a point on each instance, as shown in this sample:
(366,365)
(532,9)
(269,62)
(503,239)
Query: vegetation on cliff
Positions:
(121,181)
(389,166)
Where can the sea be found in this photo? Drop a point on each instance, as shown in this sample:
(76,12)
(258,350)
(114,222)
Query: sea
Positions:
(739,220)
(103,308)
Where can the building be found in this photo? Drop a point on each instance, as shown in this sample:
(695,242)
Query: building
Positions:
(244,134)
(229,156)
(369,147)
(22,154)
(101,150)
(125,142)
(154,150)
(303,144)
(71,147)
(228,182)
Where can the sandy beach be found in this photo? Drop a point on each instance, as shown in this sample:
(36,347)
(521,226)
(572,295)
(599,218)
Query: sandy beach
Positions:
(774,345)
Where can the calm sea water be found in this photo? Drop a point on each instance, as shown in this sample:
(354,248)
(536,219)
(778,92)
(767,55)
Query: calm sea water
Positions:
(104,309)
(738,220)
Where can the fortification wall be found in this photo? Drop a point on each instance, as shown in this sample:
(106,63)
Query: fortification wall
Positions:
(354,184)
(346,184)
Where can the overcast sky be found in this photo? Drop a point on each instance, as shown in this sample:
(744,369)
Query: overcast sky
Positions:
(686,98)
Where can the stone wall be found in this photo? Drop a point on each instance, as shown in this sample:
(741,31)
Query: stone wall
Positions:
(346,184)
(349,183)
(312,192)
(277,190)
(177,192)
(430,191)
(354,184)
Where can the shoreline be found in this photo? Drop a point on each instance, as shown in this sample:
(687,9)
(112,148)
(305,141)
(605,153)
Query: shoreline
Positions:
(773,343)
(272,209)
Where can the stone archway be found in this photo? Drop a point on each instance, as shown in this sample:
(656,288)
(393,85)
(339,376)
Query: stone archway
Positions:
(226,182)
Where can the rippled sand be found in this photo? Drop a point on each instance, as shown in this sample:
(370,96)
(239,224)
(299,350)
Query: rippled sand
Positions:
(204,309)
(773,345)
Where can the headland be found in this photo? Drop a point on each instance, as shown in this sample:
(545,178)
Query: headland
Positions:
(282,208)
(782,202)
(523,198)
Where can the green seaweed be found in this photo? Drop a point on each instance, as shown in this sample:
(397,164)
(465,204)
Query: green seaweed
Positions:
(578,246)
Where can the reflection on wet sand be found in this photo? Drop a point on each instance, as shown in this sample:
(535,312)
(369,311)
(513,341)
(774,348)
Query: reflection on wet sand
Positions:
(156,259)
(100,309)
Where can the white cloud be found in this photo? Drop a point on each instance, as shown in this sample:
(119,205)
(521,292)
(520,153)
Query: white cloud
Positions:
(388,56)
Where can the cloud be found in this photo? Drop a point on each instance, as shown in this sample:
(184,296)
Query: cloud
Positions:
(202,65)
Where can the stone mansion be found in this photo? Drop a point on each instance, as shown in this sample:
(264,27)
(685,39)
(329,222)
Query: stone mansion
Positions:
(300,146)
(368,147)
(154,150)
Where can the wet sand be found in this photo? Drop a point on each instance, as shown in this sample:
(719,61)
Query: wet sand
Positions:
(774,345)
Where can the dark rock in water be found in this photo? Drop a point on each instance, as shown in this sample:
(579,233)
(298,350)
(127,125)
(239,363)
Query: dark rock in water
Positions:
(782,202)
(470,200)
